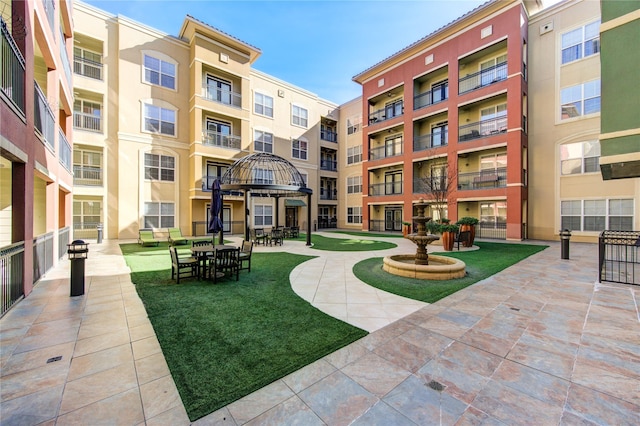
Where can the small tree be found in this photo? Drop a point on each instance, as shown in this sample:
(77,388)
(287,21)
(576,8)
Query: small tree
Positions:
(438,185)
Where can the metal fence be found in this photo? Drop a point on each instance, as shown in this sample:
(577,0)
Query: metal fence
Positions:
(199,228)
(11,275)
(619,257)
(42,255)
(491,230)
(12,69)
(64,235)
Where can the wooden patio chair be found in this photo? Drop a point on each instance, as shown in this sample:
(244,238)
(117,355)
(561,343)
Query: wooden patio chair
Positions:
(245,255)
(277,236)
(190,265)
(146,238)
(225,262)
(176,238)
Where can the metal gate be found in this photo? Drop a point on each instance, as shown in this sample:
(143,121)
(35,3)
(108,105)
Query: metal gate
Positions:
(619,257)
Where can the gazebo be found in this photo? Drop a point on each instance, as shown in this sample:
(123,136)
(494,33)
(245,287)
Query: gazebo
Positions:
(266,175)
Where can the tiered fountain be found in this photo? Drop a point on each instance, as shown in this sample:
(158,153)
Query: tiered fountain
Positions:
(421,265)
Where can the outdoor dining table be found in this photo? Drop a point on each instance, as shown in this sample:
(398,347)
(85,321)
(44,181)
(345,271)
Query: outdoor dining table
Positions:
(201,253)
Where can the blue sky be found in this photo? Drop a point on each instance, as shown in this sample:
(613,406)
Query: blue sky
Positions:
(316,45)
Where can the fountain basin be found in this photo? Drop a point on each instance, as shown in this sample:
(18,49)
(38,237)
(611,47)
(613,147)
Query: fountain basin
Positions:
(439,267)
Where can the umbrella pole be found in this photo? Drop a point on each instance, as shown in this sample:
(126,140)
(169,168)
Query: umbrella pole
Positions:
(221,239)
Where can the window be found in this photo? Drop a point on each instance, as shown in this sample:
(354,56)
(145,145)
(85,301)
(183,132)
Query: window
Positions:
(493,215)
(393,183)
(87,63)
(354,124)
(219,90)
(354,154)
(159,215)
(263,105)
(354,184)
(438,178)
(439,134)
(86,214)
(263,176)
(439,91)
(393,109)
(262,141)
(493,161)
(87,115)
(493,119)
(87,167)
(580,157)
(299,116)
(219,134)
(581,42)
(159,167)
(597,215)
(581,99)
(214,171)
(263,215)
(354,214)
(299,149)
(159,72)
(493,70)
(159,120)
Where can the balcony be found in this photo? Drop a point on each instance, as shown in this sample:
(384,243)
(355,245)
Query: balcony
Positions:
(87,68)
(389,188)
(486,77)
(87,122)
(64,57)
(485,179)
(390,111)
(87,175)
(328,135)
(430,97)
(65,150)
(50,11)
(12,71)
(221,140)
(387,151)
(430,184)
(482,129)
(328,194)
(221,96)
(431,140)
(329,165)
(44,120)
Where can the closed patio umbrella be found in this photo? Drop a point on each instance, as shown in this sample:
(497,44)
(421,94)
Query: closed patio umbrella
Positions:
(215,223)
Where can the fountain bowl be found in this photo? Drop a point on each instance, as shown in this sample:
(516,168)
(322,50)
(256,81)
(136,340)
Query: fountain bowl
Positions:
(439,267)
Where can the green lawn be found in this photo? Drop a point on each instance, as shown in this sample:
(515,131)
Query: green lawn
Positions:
(480,264)
(224,341)
(345,244)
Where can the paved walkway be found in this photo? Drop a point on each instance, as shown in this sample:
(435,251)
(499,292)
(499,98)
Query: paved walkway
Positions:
(539,343)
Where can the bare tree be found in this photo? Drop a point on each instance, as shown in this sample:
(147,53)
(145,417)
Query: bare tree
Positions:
(437,184)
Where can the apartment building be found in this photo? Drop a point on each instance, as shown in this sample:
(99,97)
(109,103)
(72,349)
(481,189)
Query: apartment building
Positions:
(35,141)
(445,119)
(620,60)
(566,189)
(350,165)
(158,118)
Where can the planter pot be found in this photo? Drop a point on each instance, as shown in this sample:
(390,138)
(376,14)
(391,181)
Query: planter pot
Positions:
(472,234)
(448,240)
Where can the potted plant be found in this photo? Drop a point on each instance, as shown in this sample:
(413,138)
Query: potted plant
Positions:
(406,228)
(448,235)
(468,223)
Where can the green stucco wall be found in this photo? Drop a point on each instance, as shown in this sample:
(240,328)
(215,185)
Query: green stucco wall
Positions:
(622,145)
(612,9)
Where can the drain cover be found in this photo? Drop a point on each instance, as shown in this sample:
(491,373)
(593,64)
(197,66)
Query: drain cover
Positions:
(515,309)
(436,386)
(54,359)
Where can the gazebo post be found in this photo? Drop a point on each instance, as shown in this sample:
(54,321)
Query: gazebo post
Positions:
(277,205)
(309,219)
(246,215)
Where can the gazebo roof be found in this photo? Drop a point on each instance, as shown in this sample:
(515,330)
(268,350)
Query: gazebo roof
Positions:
(267,174)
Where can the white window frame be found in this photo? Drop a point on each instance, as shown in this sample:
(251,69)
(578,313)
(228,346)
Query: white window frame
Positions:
(354,124)
(300,149)
(165,66)
(299,116)
(222,94)
(354,154)
(161,117)
(577,96)
(81,213)
(260,144)
(584,155)
(165,218)
(354,214)
(496,218)
(87,114)
(354,184)
(588,211)
(260,101)
(567,43)
(164,166)
(262,215)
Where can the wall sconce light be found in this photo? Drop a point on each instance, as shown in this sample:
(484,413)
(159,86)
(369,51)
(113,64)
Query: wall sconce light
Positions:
(389,94)
(467,209)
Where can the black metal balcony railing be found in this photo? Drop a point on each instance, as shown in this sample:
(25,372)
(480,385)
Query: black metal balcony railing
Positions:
(491,229)
(328,194)
(207,186)
(430,97)
(483,78)
(227,97)
(482,129)
(329,165)
(43,117)
(87,175)
(485,179)
(221,140)
(390,188)
(429,184)
(12,71)
(65,150)
(11,275)
(92,123)
(390,111)
(87,68)
(391,150)
(328,135)
(42,255)
(432,140)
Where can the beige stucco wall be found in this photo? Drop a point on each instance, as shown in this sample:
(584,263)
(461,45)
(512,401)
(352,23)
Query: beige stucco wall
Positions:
(349,110)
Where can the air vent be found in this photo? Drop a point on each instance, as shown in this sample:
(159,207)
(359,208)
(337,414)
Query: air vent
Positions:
(546,28)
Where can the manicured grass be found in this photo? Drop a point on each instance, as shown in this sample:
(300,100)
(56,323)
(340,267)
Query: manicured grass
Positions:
(342,244)
(480,264)
(224,341)
(369,234)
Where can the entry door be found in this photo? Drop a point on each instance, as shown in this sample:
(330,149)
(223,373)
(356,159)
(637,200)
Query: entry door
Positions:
(291,217)
(393,220)
(226,219)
